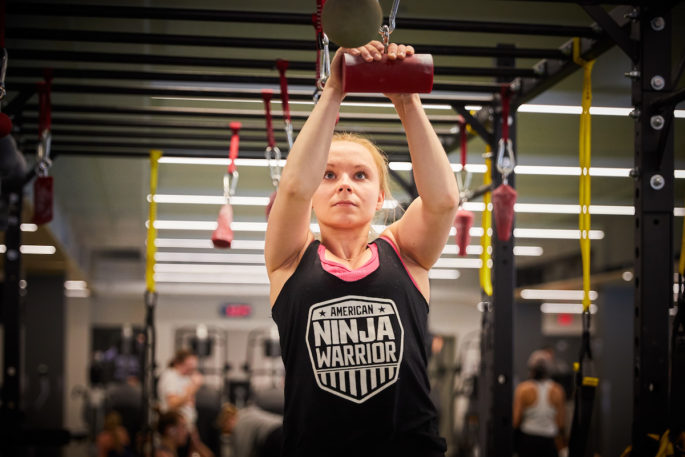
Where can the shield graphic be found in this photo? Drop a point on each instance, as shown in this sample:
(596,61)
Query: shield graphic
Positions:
(355,345)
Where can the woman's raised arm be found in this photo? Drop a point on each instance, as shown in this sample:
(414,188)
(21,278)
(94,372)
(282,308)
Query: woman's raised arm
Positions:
(423,230)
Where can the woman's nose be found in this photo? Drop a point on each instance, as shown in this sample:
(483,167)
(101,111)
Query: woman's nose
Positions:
(344,184)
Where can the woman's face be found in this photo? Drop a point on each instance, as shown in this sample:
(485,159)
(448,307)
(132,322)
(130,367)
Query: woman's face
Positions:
(349,194)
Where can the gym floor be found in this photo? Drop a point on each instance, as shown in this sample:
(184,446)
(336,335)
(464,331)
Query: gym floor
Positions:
(111,104)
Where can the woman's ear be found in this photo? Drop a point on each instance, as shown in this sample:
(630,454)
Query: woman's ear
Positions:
(381,200)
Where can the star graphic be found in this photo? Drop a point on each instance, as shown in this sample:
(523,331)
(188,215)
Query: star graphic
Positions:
(382,308)
(322,313)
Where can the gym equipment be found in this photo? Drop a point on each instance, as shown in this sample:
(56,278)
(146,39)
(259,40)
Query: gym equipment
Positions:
(463,220)
(485,275)
(351,24)
(43,185)
(223,235)
(586,385)
(413,74)
(504,197)
(148,391)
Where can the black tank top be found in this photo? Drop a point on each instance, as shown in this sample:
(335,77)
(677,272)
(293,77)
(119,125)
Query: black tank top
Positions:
(355,359)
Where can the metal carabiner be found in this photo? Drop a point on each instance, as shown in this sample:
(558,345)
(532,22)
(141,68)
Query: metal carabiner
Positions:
(386,30)
(43,154)
(505,163)
(230,185)
(325,62)
(274,164)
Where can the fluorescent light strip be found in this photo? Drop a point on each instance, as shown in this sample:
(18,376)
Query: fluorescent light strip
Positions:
(217,257)
(75,285)
(566,308)
(194,243)
(204,268)
(475,231)
(542,208)
(443,274)
(32,249)
(28,227)
(457,263)
(406,166)
(77,293)
(235,200)
(574,109)
(211,279)
(552,294)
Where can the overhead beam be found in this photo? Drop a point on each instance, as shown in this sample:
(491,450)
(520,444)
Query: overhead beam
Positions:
(188,14)
(265,64)
(101,36)
(232,114)
(526,89)
(76,73)
(620,36)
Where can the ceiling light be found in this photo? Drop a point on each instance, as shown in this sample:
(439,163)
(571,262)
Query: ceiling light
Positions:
(32,249)
(216,257)
(178,278)
(28,227)
(561,234)
(552,294)
(566,308)
(627,275)
(457,263)
(531,251)
(75,285)
(436,273)
(194,243)
(205,268)
(77,293)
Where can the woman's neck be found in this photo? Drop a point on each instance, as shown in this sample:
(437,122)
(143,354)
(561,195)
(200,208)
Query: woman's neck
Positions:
(346,245)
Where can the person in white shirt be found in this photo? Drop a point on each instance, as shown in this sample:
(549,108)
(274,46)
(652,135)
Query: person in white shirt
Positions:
(176,390)
(539,414)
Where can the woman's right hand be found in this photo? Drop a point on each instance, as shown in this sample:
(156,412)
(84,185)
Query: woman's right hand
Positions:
(369,52)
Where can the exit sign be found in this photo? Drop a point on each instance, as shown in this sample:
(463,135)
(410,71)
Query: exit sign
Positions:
(235,310)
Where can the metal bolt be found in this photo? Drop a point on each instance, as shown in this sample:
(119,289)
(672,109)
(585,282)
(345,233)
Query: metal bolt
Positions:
(657,122)
(11,371)
(12,220)
(634,172)
(657,182)
(651,387)
(14,198)
(657,24)
(501,379)
(658,82)
(634,14)
(634,74)
(12,255)
(635,113)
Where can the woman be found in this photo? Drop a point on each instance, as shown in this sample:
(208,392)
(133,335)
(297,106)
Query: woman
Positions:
(173,434)
(352,315)
(539,410)
(113,440)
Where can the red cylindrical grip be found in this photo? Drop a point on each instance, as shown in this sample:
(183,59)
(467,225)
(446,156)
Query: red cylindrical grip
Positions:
(414,74)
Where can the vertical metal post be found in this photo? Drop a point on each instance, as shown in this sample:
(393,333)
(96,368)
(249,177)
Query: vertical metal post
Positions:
(496,376)
(11,319)
(653,228)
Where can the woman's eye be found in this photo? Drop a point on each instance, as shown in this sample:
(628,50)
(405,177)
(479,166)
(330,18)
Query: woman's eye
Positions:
(360,175)
(329,175)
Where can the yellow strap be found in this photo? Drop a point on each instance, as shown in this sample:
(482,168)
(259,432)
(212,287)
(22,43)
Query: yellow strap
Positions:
(485,240)
(584,191)
(590,381)
(155,155)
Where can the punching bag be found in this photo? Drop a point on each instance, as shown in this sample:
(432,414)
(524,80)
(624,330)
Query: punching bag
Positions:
(503,200)
(351,23)
(463,223)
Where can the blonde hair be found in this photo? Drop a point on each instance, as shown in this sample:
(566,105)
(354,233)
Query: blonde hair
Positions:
(378,156)
(228,411)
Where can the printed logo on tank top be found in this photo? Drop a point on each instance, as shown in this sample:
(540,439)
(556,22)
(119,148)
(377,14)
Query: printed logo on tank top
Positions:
(355,345)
